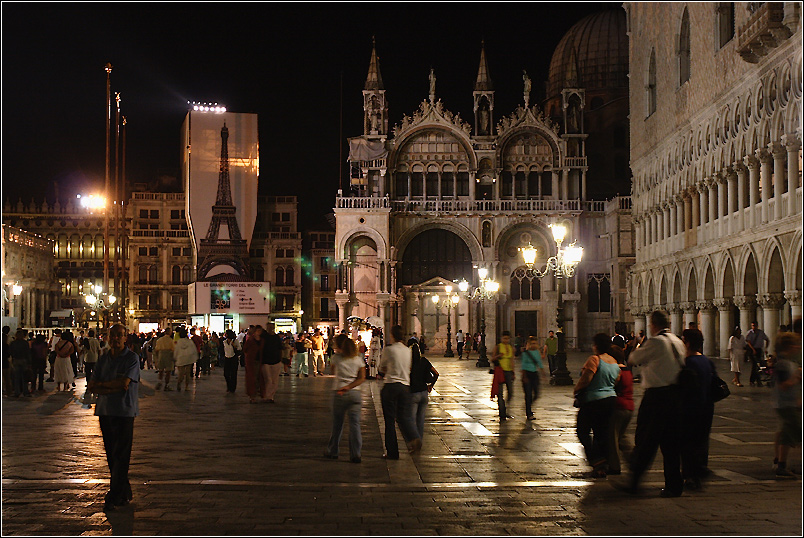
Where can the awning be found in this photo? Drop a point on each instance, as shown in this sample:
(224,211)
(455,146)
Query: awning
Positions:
(361,149)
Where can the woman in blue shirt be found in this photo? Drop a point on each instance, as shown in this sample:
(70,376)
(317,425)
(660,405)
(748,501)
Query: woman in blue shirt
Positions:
(596,396)
(531,365)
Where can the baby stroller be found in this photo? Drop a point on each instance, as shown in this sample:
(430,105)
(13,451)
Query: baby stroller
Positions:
(766,372)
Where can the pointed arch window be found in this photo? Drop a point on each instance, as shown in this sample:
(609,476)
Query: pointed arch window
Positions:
(650,87)
(290,276)
(684,49)
(725,23)
(280,276)
(598,292)
(175,274)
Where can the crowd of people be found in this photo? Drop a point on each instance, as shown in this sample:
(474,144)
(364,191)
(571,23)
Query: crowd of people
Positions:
(675,413)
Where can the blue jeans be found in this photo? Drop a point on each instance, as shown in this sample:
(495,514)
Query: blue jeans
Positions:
(394,397)
(418,406)
(341,405)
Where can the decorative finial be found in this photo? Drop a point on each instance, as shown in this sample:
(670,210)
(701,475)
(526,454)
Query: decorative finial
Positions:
(432,85)
(526,93)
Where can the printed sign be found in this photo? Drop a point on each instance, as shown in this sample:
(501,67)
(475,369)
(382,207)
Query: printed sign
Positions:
(229,297)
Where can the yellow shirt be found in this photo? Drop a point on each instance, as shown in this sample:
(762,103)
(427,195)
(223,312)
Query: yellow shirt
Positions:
(506,356)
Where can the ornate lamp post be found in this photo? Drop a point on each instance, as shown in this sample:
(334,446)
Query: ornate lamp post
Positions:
(449,301)
(562,265)
(487,289)
(100,302)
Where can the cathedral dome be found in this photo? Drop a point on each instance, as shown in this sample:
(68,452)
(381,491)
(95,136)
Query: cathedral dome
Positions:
(592,55)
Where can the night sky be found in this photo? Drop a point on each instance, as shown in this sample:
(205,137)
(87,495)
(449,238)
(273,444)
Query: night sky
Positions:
(281,61)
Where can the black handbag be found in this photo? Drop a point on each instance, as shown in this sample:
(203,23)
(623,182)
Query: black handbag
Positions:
(718,388)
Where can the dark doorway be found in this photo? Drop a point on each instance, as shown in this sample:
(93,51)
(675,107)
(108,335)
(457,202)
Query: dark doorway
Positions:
(483,192)
(526,323)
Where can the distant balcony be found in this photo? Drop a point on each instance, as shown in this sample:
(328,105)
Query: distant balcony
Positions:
(160,233)
(481,206)
(765,30)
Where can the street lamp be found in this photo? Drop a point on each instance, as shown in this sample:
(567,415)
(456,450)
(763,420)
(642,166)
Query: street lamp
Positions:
(450,301)
(487,290)
(16,291)
(99,302)
(562,265)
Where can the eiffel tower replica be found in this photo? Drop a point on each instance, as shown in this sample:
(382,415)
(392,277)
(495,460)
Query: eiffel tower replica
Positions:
(214,250)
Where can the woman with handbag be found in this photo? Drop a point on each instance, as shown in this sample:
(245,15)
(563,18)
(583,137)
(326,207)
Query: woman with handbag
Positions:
(63,368)
(595,394)
(349,369)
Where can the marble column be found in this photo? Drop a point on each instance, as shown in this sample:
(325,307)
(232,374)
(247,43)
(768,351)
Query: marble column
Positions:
(341,299)
(779,178)
(731,178)
(748,311)
(556,192)
(752,163)
(703,205)
(707,327)
(771,304)
(639,322)
(713,204)
(793,147)
(690,314)
(741,195)
(676,319)
(765,179)
(564,195)
(666,232)
(794,300)
(382,305)
(725,325)
(722,203)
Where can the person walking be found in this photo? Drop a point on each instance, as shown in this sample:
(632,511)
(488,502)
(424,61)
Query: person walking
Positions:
(698,410)
(252,357)
(164,358)
(737,356)
(787,399)
(620,445)
(531,363)
(209,352)
(350,372)
(394,370)
(63,368)
(423,376)
(39,351)
(659,415)
(757,341)
(595,395)
(20,363)
(375,350)
(503,360)
(115,379)
(459,341)
(270,364)
(231,351)
(185,355)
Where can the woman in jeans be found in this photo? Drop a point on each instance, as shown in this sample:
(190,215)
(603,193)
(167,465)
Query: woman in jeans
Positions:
(596,396)
(349,369)
(422,378)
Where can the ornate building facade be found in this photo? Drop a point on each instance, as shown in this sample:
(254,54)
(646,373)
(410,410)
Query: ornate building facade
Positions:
(716,158)
(435,197)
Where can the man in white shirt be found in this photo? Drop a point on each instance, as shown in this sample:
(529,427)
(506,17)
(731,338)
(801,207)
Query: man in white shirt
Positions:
(459,339)
(659,417)
(394,370)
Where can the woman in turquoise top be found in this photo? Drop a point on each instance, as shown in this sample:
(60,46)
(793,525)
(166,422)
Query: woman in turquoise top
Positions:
(596,395)
(531,364)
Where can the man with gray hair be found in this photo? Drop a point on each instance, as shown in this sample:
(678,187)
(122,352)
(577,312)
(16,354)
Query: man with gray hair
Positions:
(659,416)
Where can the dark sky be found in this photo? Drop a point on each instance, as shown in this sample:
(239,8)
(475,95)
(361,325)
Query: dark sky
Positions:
(282,61)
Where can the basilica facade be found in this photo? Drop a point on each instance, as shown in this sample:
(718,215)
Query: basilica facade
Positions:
(435,197)
(716,158)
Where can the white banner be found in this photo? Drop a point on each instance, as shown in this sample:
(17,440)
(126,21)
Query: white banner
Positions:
(229,297)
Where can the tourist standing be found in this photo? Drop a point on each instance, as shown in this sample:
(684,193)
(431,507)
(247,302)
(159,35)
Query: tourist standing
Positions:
(231,351)
(39,350)
(737,356)
(270,365)
(63,368)
(595,395)
(531,364)
(757,341)
(350,372)
(375,351)
(459,340)
(20,363)
(697,410)
(394,369)
(551,350)
(300,360)
(185,355)
(787,399)
(317,352)
(164,358)
(115,380)
(92,353)
(423,376)
(54,340)
(252,357)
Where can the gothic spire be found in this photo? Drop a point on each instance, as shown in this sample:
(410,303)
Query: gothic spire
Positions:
(374,79)
(483,82)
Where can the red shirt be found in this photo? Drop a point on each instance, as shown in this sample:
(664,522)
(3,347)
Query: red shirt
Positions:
(625,391)
(198,341)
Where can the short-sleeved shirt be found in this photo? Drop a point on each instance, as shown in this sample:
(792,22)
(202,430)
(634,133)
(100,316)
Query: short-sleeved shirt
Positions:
(347,369)
(552,345)
(506,356)
(602,383)
(123,403)
(531,360)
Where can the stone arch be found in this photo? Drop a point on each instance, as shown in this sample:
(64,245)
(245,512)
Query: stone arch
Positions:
(750,276)
(342,250)
(663,300)
(459,136)
(434,252)
(727,281)
(543,241)
(514,134)
(792,117)
(651,298)
(793,276)
(469,238)
(677,286)
(709,282)
(772,273)
(692,284)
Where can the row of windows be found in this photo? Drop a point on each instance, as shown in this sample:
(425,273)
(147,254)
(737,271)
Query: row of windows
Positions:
(725,33)
(526,286)
(175,214)
(434,184)
(534,184)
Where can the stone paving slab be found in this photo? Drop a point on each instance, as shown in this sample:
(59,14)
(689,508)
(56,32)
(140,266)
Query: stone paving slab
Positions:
(208,463)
